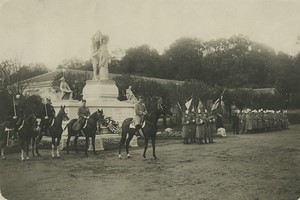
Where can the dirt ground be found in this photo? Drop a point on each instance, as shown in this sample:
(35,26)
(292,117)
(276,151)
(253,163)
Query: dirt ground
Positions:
(252,166)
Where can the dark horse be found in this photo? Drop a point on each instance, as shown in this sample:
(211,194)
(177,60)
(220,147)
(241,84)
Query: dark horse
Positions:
(89,130)
(149,130)
(55,129)
(29,127)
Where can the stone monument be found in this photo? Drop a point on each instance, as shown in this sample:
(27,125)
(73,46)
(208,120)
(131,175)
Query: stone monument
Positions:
(100,92)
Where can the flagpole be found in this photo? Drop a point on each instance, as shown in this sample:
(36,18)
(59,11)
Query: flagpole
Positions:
(15,112)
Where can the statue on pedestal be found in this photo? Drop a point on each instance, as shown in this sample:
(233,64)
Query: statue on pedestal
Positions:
(100,56)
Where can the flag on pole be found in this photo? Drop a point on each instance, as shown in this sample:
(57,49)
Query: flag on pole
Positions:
(215,105)
(188,104)
(179,106)
(200,105)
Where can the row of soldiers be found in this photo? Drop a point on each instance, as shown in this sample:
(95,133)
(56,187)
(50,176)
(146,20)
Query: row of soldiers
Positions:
(198,127)
(247,120)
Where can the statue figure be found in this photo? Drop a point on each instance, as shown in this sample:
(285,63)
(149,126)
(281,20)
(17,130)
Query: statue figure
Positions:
(100,56)
(67,93)
(129,95)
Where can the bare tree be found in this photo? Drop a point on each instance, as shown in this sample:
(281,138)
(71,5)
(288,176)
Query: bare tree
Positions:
(13,81)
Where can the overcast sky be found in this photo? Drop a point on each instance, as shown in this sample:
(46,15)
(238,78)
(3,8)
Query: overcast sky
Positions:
(49,31)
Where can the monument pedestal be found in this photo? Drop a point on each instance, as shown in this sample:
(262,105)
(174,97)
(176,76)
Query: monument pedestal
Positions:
(103,95)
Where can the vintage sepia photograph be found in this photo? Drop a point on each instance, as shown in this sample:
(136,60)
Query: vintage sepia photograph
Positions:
(150,99)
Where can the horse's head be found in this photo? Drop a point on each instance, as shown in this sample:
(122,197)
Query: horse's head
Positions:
(63,113)
(100,115)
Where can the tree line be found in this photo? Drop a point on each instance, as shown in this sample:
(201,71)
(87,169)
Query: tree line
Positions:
(237,62)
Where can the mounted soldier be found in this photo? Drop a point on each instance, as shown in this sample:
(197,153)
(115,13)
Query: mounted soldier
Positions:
(83,115)
(17,113)
(49,117)
(140,112)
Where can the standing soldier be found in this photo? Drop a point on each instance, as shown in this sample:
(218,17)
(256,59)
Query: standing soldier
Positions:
(192,126)
(235,122)
(212,128)
(83,115)
(185,127)
(243,122)
(286,120)
(206,127)
(248,121)
(271,117)
(254,120)
(259,120)
(200,127)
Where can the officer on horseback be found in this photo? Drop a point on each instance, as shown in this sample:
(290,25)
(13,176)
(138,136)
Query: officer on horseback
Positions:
(140,112)
(18,113)
(83,115)
(50,114)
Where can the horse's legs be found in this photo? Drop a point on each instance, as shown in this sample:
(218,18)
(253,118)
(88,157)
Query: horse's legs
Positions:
(153,139)
(27,148)
(93,143)
(33,146)
(127,143)
(146,146)
(53,147)
(75,142)
(68,142)
(38,140)
(87,142)
(122,142)
(57,145)
(2,152)
(22,144)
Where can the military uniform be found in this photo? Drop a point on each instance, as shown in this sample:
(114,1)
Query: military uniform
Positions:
(248,122)
(48,120)
(185,128)
(243,122)
(140,110)
(83,113)
(192,134)
(212,128)
(200,128)
(235,123)
(259,120)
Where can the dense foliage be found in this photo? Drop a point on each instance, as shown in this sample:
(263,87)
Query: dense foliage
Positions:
(236,62)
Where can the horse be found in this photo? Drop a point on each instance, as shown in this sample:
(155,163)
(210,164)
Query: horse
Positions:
(89,129)
(149,130)
(6,130)
(26,130)
(55,130)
